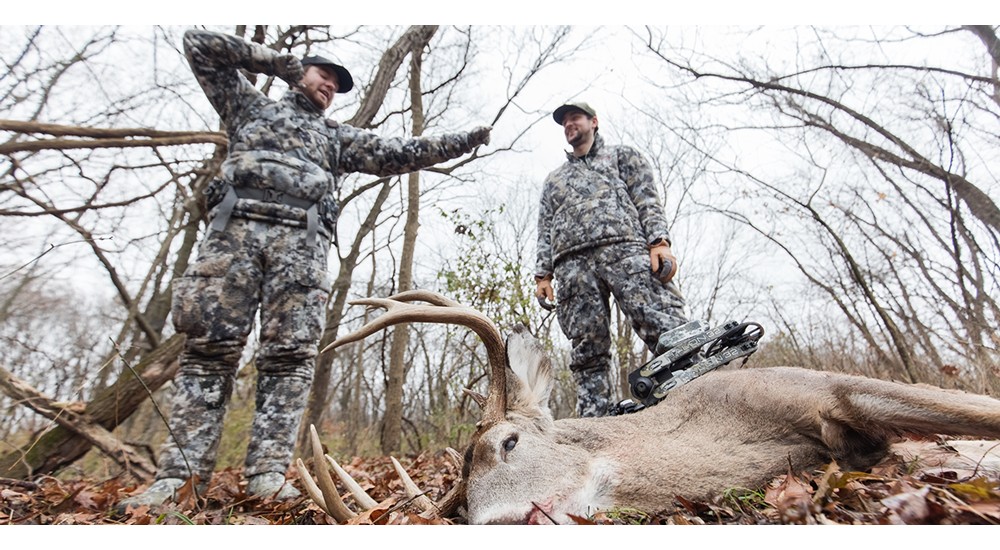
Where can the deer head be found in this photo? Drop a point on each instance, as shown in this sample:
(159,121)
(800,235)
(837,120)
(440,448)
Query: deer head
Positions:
(519,469)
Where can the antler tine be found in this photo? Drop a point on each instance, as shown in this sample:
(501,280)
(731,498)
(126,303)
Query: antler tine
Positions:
(399,310)
(425,296)
(328,491)
(312,490)
(360,495)
(442,310)
(479,398)
(412,491)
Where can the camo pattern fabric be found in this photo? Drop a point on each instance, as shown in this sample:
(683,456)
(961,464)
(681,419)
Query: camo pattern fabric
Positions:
(606,196)
(593,391)
(214,303)
(584,281)
(287,145)
(263,256)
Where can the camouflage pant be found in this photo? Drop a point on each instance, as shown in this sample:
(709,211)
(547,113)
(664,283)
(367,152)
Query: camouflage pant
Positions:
(248,264)
(585,281)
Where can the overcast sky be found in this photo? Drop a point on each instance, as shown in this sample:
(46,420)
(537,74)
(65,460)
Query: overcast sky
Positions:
(382,12)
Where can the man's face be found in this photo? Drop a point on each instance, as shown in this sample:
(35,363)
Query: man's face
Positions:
(319,84)
(578,127)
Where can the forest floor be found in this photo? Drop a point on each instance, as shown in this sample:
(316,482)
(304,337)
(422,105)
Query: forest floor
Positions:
(904,489)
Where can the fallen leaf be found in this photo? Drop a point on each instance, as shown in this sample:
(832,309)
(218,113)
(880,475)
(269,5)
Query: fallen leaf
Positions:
(908,507)
(978,488)
(792,498)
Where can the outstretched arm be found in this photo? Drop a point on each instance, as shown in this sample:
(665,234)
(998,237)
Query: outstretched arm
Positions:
(366,152)
(216,59)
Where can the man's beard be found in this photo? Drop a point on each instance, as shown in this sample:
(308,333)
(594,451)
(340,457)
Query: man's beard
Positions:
(579,137)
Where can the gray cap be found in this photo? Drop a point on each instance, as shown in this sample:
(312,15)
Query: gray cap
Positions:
(563,110)
(344,81)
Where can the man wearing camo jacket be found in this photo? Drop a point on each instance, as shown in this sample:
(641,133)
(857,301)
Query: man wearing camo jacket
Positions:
(601,232)
(273,214)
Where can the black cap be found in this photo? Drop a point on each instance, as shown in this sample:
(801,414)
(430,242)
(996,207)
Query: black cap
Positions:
(344,81)
(584,108)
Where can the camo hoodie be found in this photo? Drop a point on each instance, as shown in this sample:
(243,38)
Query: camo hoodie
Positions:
(288,145)
(606,196)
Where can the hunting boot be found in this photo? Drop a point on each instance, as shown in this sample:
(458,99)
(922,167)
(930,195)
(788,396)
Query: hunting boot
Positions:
(272,485)
(280,401)
(156,494)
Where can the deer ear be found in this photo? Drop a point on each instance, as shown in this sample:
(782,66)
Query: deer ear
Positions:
(528,391)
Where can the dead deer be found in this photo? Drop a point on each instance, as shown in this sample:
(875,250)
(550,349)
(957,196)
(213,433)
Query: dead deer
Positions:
(726,429)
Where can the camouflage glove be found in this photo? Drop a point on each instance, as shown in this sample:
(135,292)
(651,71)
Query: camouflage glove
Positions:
(288,68)
(480,136)
(663,262)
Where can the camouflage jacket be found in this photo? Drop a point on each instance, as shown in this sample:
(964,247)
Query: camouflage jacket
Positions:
(287,145)
(606,196)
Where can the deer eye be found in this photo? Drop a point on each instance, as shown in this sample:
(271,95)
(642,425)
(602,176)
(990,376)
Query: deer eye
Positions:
(510,443)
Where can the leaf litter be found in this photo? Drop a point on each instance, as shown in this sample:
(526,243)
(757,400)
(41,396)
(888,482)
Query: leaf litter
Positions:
(919,484)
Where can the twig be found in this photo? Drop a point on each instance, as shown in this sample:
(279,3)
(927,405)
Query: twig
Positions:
(50,249)
(18,483)
(163,417)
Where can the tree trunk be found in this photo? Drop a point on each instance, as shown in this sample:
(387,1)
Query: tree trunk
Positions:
(392,424)
(334,315)
(374,97)
(61,446)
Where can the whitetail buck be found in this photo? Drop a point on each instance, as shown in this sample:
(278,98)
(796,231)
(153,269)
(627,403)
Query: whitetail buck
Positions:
(726,429)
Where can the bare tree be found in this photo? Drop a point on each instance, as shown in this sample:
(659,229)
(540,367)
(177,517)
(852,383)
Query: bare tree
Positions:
(391,426)
(93,157)
(446,66)
(885,204)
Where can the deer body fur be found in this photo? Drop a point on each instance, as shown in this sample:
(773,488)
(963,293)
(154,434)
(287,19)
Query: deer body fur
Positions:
(727,429)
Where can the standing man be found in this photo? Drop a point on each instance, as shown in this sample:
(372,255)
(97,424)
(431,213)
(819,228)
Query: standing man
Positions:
(273,214)
(602,231)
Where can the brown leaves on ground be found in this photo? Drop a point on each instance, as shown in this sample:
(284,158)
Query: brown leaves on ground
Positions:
(52,501)
(894,492)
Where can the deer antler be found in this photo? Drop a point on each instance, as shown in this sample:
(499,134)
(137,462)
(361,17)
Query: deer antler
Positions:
(443,310)
(325,494)
(400,310)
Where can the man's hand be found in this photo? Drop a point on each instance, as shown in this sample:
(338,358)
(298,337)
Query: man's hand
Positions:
(480,136)
(289,68)
(659,255)
(543,289)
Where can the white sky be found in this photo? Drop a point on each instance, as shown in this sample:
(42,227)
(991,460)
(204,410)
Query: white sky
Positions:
(386,12)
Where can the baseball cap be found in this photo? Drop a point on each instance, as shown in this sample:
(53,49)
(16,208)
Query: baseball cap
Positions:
(563,110)
(344,81)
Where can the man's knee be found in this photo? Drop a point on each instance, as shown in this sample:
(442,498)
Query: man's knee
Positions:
(294,359)
(207,357)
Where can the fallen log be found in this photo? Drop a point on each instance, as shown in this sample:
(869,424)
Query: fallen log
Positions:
(77,432)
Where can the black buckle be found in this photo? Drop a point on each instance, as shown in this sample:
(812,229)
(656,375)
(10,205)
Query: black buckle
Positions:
(272,195)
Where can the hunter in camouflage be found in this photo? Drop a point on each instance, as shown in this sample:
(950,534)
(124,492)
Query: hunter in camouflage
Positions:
(273,214)
(602,232)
